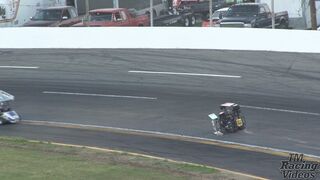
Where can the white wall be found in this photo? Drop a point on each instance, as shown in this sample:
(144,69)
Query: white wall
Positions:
(163,38)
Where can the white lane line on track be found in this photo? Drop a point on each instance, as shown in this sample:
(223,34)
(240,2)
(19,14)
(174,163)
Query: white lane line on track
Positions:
(186,74)
(19,67)
(168,135)
(100,95)
(280,110)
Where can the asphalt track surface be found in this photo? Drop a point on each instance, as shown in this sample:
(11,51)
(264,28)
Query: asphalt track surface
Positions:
(249,162)
(181,104)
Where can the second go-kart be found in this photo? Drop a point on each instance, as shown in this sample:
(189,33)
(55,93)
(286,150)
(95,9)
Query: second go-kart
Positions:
(7,115)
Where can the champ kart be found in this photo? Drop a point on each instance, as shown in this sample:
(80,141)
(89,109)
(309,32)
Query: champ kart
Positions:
(7,115)
(229,120)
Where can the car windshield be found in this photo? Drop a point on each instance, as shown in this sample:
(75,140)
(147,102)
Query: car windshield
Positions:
(216,14)
(97,16)
(48,15)
(242,11)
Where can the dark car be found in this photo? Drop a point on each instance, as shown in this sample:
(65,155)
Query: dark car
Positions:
(255,15)
(199,7)
(54,17)
(170,18)
(216,16)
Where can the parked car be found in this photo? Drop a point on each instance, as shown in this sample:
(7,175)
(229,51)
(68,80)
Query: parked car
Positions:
(54,17)
(253,15)
(172,18)
(199,7)
(216,16)
(113,17)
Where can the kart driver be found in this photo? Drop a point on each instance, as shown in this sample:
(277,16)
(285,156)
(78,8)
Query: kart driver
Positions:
(225,116)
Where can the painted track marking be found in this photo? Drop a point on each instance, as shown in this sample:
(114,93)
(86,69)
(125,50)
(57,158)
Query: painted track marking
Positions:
(280,110)
(19,67)
(186,74)
(227,144)
(99,95)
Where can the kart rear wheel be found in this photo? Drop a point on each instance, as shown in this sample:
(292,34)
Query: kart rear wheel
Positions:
(222,130)
(244,123)
(231,127)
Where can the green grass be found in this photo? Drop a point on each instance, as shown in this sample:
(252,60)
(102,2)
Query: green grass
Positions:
(21,159)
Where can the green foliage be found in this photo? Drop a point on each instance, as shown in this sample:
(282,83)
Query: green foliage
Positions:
(22,159)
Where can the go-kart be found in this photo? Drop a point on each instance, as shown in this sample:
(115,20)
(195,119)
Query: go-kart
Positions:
(229,120)
(7,115)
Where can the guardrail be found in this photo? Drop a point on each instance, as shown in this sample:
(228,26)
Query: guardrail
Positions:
(162,38)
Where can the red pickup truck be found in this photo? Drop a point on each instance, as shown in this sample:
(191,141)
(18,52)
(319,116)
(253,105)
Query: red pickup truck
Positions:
(113,17)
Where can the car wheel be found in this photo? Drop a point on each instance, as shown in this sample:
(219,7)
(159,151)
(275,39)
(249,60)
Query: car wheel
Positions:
(186,22)
(283,25)
(193,20)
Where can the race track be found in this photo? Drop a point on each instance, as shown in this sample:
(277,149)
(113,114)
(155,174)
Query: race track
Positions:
(249,162)
(145,90)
